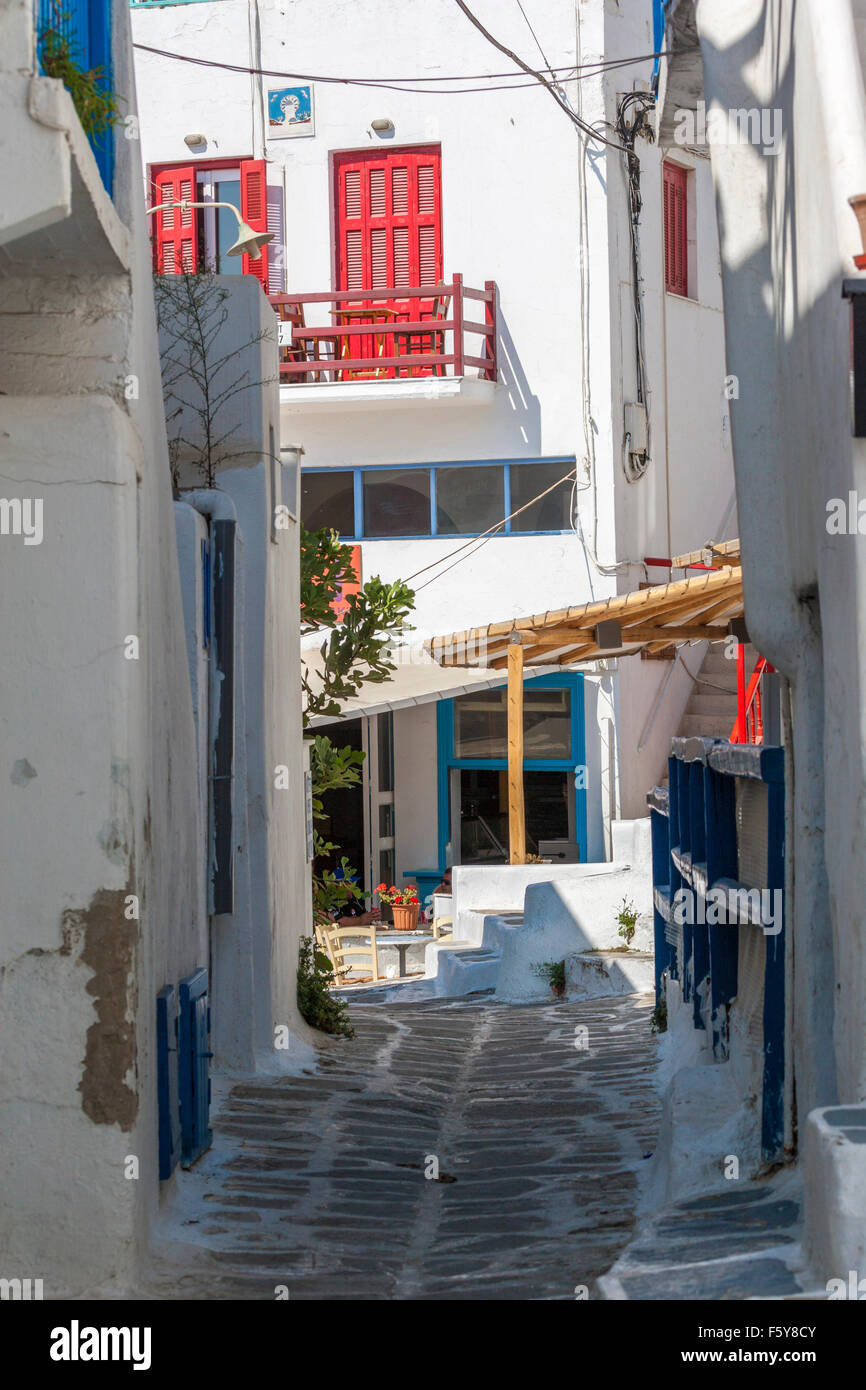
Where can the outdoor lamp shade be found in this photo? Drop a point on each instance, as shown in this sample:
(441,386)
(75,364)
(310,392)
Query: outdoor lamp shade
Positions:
(249,243)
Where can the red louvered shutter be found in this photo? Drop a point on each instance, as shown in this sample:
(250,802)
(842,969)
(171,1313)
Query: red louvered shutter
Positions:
(254,211)
(676,229)
(389,219)
(175,230)
(389,228)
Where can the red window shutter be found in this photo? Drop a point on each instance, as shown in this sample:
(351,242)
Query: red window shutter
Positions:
(175,231)
(676,229)
(389,219)
(254,211)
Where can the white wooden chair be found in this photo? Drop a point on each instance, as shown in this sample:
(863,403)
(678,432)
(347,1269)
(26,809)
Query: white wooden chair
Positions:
(344,957)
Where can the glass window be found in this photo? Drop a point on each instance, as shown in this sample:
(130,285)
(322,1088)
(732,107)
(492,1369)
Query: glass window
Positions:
(386,752)
(386,821)
(227,191)
(469,500)
(547,724)
(553,512)
(397,502)
(328,500)
(481,724)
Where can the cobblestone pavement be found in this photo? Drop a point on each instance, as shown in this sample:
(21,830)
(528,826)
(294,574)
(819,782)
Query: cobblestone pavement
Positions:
(317,1183)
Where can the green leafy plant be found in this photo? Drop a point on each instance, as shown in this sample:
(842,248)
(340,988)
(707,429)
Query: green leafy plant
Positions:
(318,1006)
(659,1018)
(553,971)
(97,108)
(356,646)
(627,918)
(332,768)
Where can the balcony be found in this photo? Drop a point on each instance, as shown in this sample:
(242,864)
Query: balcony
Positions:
(363,347)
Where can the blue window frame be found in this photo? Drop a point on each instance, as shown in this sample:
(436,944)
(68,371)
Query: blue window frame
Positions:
(435,505)
(446,759)
(87,26)
(193,1066)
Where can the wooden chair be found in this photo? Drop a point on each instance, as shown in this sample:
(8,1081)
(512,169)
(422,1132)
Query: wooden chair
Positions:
(291,312)
(343,956)
(424,340)
(324,945)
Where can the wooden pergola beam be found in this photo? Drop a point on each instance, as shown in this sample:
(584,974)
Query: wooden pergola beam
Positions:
(516,806)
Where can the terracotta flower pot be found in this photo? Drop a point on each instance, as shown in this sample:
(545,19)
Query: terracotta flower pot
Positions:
(858,206)
(558,990)
(405,916)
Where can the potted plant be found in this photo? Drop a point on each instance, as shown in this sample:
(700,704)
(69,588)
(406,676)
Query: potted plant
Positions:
(553,971)
(627,918)
(404,904)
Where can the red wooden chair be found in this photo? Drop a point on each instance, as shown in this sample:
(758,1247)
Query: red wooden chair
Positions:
(420,341)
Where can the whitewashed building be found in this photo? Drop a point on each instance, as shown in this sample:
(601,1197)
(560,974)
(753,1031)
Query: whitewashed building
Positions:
(551,377)
(778,91)
(123,963)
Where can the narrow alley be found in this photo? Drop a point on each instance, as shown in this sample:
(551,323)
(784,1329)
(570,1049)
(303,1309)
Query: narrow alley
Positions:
(316,1185)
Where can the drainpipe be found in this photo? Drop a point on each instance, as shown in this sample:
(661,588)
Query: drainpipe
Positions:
(220,511)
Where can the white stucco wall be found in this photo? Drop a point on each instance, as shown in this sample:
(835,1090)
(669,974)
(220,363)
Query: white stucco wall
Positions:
(257,945)
(98,749)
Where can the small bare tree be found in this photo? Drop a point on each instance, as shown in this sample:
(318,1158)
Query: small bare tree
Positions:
(199,374)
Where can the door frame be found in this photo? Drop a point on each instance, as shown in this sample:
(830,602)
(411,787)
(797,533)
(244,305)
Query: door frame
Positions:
(446,761)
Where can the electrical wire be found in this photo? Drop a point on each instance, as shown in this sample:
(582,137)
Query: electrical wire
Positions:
(557,95)
(390,84)
(535,36)
(478,541)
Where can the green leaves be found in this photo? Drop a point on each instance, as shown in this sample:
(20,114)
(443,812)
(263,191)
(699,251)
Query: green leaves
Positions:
(358,648)
(317,1005)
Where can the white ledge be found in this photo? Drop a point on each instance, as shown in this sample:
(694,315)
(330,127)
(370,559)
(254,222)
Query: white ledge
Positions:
(371,395)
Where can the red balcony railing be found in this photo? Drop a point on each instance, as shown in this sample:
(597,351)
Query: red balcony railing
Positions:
(388,334)
(749,725)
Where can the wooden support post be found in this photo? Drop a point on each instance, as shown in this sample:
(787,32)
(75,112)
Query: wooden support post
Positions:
(516,809)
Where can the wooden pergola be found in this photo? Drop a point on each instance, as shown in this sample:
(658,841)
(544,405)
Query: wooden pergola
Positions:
(697,609)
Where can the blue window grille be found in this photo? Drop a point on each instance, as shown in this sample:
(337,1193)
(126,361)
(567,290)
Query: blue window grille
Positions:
(167,1081)
(704,837)
(193,1066)
(501,479)
(87,25)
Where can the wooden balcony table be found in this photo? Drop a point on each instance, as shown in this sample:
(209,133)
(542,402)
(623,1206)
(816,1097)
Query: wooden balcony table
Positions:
(374,315)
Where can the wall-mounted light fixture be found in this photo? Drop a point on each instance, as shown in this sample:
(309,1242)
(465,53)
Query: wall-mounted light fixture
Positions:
(249,242)
(193,140)
(383,125)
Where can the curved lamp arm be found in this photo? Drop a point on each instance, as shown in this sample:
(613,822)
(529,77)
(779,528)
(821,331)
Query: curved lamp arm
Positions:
(249,243)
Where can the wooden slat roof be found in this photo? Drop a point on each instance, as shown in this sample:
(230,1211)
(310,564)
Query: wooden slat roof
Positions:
(690,610)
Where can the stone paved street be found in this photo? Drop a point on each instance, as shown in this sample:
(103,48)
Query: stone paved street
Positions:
(318,1182)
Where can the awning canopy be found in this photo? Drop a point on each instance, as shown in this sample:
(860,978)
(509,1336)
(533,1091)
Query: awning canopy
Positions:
(417,680)
(689,610)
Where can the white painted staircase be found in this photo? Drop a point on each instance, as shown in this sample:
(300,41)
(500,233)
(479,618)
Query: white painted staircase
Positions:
(712,708)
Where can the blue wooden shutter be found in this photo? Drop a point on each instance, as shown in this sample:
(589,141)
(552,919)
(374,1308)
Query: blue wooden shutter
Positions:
(167,1082)
(194,1067)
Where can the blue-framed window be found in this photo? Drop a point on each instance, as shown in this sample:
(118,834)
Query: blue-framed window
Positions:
(87,26)
(419,500)
(471,738)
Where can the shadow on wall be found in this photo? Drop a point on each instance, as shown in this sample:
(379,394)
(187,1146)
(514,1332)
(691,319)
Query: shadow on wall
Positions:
(524,417)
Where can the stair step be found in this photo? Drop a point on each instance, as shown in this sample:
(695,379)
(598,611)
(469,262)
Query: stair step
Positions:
(705,701)
(705,726)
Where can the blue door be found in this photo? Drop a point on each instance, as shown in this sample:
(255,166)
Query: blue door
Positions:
(194,1056)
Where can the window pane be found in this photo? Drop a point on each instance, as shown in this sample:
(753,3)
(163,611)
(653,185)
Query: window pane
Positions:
(386,752)
(547,724)
(481,724)
(553,512)
(397,502)
(386,821)
(469,500)
(227,191)
(328,500)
